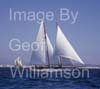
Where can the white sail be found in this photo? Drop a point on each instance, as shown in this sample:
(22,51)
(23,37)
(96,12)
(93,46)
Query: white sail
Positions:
(64,48)
(18,62)
(40,56)
(50,50)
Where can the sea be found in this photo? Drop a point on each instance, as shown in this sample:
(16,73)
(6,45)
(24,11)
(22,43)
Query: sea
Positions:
(23,82)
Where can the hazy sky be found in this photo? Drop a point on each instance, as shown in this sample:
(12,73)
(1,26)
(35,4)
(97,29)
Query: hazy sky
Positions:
(84,35)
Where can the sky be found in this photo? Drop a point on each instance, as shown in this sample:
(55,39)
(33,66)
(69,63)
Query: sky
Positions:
(84,34)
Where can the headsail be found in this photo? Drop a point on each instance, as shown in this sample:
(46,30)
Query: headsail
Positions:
(64,48)
(38,56)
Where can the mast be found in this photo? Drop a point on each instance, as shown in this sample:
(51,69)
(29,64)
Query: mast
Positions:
(60,62)
(46,46)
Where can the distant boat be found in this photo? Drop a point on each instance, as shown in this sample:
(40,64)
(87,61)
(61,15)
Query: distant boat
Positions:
(18,62)
(63,49)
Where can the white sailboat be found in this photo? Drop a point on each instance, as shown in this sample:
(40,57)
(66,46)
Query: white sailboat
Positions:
(63,49)
(18,62)
(46,53)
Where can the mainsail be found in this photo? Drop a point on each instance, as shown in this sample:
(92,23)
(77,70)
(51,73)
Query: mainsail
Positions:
(45,52)
(64,49)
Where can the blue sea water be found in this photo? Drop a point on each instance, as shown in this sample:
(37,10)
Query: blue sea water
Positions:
(7,82)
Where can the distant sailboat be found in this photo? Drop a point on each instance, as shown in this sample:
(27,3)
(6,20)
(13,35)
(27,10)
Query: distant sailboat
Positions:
(63,49)
(46,53)
(18,62)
